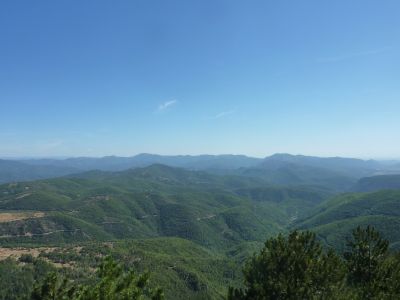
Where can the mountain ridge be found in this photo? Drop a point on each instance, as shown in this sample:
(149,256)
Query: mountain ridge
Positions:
(227,163)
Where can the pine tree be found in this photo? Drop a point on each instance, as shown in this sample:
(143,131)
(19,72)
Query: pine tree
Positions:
(291,268)
(113,283)
(365,261)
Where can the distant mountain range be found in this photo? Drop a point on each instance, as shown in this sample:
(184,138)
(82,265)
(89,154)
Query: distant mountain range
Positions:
(115,163)
(346,166)
(11,171)
(278,168)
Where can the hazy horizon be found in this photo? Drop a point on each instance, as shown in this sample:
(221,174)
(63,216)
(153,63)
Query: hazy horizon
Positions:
(96,78)
(61,157)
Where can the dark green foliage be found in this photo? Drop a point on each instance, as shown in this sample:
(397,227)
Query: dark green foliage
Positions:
(388,285)
(365,261)
(17,280)
(296,267)
(113,283)
(53,288)
(182,268)
(14,280)
(334,219)
(294,201)
(367,252)
(291,268)
(26,258)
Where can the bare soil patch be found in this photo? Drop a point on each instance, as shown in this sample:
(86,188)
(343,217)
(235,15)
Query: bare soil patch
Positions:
(11,216)
(18,252)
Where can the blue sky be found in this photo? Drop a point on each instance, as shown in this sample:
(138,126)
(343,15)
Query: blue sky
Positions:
(93,78)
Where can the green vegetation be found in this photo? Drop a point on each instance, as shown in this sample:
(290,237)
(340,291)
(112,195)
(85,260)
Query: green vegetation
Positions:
(113,282)
(289,174)
(182,268)
(191,231)
(291,268)
(376,183)
(333,220)
(18,278)
(215,211)
(296,267)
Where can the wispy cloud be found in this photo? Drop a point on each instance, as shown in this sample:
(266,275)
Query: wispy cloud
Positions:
(164,106)
(224,114)
(352,55)
(49,145)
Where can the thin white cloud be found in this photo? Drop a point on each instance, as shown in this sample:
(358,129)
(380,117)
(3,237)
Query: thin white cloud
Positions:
(224,114)
(49,145)
(166,105)
(351,55)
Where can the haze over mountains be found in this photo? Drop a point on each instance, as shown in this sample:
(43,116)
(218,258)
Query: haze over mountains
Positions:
(11,170)
(193,220)
(83,79)
(281,168)
(115,163)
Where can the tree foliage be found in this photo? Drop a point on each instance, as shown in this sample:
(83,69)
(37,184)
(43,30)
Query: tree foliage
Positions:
(297,267)
(370,270)
(291,268)
(113,283)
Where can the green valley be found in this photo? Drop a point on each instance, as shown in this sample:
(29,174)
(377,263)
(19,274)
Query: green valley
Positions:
(193,230)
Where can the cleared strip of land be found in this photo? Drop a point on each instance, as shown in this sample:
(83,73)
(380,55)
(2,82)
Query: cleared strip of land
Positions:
(18,252)
(17,216)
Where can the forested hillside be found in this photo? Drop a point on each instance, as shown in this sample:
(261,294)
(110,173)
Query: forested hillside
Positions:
(217,211)
(192,229)
(376,183)
(334,219)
